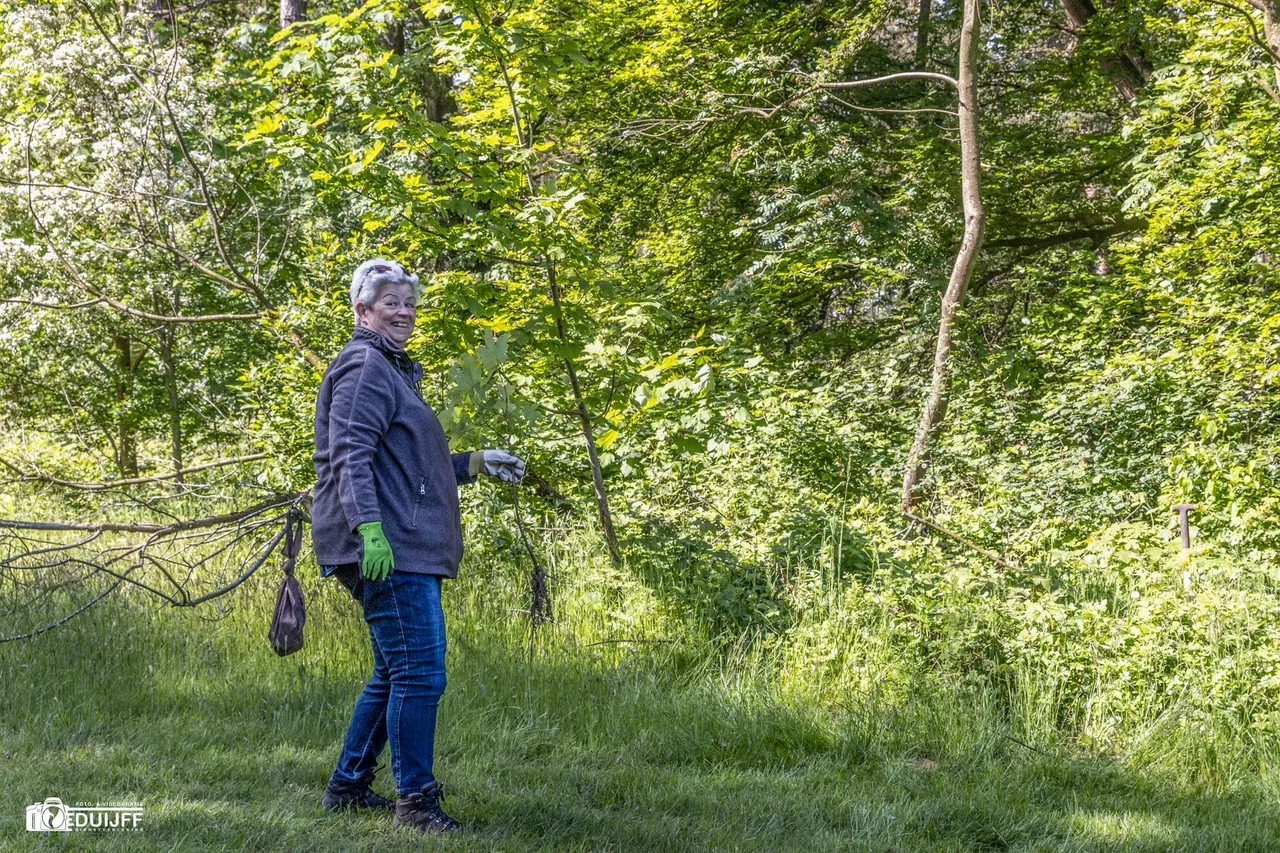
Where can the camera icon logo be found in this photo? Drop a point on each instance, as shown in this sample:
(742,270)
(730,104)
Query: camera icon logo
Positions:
(49,816)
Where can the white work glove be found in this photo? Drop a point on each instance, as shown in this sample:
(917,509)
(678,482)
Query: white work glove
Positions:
(505,466)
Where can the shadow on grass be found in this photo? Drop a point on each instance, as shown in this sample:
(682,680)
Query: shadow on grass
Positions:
(229,747)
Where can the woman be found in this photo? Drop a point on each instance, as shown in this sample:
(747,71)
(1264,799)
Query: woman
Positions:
(385,521)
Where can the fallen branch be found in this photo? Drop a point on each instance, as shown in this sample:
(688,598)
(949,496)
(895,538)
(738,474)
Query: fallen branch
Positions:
(933,525)
(142,527)
(624,640)
(65,619)
(35,568)
(223,590)
(41,477)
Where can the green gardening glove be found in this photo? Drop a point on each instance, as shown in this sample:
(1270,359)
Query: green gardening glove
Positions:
(378,560)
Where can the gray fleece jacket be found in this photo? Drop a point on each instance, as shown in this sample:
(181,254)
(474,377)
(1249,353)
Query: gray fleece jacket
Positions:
(381,455)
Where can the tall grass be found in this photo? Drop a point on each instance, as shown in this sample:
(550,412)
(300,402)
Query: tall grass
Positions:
(624,724)
(888,709)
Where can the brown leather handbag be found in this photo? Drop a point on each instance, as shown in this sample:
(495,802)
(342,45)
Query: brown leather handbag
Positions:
(291,608)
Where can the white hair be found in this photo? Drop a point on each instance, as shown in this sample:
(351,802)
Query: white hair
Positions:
(372,276)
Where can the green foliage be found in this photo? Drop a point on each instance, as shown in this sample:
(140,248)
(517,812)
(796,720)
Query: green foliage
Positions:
(744,272)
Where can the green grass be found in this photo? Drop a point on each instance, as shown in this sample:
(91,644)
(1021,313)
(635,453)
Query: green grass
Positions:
(674,745)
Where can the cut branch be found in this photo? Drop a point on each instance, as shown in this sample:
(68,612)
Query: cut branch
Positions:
(65,619)
(143,527)
(42,477)
(40,574)
(253,567)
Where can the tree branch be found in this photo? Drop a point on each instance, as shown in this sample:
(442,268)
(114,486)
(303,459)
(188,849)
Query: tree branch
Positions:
(65,619)
(901,75)
(223,590)
(1124,227)
(951,534)
(273,502)
(134,312)
(1254,35)
(40,476)
(215,223)
(33,303)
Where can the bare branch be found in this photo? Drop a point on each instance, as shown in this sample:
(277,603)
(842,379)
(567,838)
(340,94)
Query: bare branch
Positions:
(54,548)
(273,502)
(1124,227)
(951,534)
(99,300)
(257,564)
(33,303)
(901,75)
(862,109)
(195,264)
(40,476)
(65,619)
(91,191)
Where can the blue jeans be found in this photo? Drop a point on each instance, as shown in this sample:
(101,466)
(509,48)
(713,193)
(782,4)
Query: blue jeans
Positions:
(406,629)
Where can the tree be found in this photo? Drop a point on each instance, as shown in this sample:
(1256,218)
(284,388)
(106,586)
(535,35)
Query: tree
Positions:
(1125,65)
(935,407)
(1271,31)
(292,11)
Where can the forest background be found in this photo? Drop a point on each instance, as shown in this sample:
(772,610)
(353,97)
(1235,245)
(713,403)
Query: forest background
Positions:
(704,265)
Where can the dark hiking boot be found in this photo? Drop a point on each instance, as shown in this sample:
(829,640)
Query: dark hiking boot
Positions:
(422,812)
(353,795)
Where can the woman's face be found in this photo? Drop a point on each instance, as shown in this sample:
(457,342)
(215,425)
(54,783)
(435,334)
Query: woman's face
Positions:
(392,314)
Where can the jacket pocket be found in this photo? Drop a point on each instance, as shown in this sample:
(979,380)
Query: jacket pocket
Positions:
(417,503)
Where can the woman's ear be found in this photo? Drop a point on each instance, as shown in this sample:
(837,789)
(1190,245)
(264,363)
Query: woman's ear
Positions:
(361,311)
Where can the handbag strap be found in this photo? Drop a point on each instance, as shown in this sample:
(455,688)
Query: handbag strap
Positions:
(292,540)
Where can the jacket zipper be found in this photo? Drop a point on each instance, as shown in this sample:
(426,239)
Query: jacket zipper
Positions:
(422,490)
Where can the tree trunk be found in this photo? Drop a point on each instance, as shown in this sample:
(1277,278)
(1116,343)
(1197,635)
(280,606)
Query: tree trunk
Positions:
(1271,32)
(584,419)
(1127,68)
(167,336)
(437,96)
(935,408)
(922,34)
(525,135)
(292,11)
(126,448)
(393,37)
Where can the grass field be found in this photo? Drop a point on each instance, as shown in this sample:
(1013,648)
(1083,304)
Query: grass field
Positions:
(573,744)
